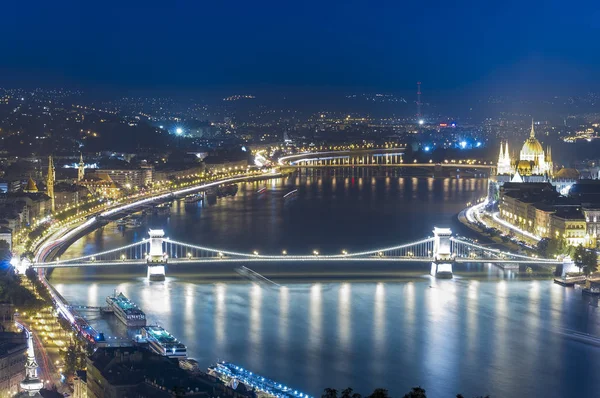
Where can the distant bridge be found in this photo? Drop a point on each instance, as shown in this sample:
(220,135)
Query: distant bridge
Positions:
(442,250)
(394,159)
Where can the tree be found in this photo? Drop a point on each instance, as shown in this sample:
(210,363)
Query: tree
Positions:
(589,259)
(578,256)
(329,393)
(416,392)
(70,356)
(349,393)
(542,247)
(380,393)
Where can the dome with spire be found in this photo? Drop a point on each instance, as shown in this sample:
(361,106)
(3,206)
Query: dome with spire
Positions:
(532,148)
(532,160)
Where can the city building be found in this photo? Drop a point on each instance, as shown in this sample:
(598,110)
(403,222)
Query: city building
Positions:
(134,371)
(28,206)
(6,236)
(126,178)
(570,225)
(504,164)
(69,194)
(101,185)
(80,384)
(591,212)
(539,209)
(13,347)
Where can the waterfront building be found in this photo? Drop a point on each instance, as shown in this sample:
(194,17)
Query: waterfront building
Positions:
(504,163)
(539,209)
(68,194)
(570,225)
(543,215)
(101,185)
(533,159)
(591,212)
(135,371)
(126,178)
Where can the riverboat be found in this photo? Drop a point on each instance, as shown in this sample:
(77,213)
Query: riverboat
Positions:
(162,342)
(233,375)
(227,190)
(193,199)
(126,311)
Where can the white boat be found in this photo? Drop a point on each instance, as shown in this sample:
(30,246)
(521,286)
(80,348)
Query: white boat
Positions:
(163,343)
(126,311)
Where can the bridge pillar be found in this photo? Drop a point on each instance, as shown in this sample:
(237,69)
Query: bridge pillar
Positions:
(568,266)
(156,258)
(441,267)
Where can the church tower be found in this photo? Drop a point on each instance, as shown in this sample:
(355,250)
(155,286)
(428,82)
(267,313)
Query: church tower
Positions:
(80,169)
(504,163)
(549,163)
(50,182)
(31,384)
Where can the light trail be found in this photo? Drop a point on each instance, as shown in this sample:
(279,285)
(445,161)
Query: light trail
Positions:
(514,228)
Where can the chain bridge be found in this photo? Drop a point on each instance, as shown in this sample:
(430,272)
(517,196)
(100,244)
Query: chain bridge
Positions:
(441,250)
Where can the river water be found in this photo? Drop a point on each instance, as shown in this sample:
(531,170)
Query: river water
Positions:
(486,331)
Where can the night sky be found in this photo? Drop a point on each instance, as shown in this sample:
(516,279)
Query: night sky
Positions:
(375,45)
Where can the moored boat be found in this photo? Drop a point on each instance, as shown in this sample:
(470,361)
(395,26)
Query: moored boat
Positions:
(233,375)
(162,342)
(126,311)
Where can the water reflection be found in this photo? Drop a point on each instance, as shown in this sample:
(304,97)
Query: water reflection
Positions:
(316,318)
(476,334)
(220,313)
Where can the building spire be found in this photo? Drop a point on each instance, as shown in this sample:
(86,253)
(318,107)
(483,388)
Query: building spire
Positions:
(81,168)
(532,133)
(31,384)
(50,182)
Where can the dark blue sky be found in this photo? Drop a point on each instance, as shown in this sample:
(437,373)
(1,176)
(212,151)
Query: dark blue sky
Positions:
(349,45)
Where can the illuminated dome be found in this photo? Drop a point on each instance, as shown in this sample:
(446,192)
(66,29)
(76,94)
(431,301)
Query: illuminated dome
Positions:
(532,147)
(532,160)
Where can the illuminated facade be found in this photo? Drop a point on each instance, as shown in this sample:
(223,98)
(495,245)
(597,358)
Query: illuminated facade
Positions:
(504,163)
(533,159)
(50,183)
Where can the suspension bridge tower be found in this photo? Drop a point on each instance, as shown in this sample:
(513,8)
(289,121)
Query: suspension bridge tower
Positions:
(441,267)
(156,258)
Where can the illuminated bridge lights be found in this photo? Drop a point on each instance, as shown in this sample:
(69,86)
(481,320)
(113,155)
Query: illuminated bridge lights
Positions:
(174,251)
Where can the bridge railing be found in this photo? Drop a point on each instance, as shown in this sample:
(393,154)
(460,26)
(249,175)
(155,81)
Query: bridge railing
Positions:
(419,249)
(134,251)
